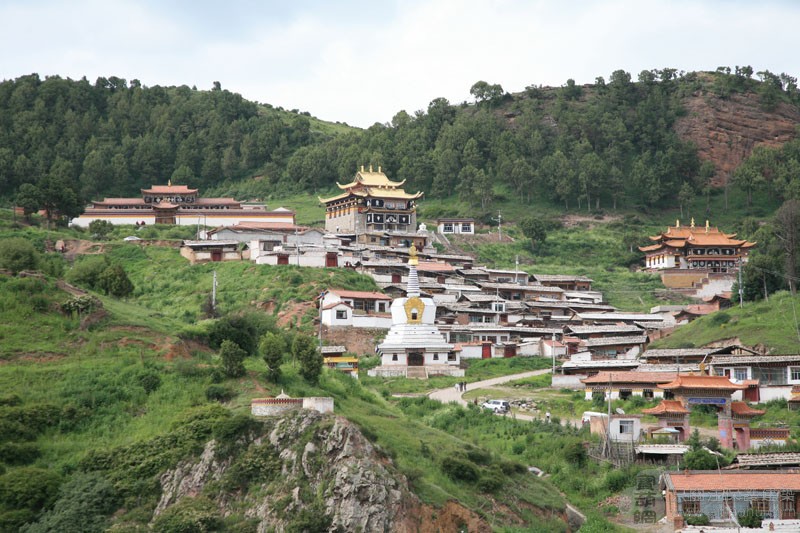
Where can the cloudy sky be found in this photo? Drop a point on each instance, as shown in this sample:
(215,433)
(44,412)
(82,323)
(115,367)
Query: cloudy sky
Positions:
(361,62)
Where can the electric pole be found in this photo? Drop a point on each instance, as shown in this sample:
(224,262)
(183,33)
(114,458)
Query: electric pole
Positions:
(499,220)
(214,293)
(741,289)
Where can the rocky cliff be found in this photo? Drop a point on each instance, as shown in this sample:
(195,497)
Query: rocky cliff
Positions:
(305,471)
(726,130)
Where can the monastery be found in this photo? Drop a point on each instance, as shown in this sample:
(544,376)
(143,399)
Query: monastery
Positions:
(696,248)
(180,205)
(374,210)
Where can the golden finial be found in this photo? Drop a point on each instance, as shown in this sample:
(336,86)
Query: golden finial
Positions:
(169,183)
(706,226)
(379,168)
(692,221)
(677,223)
(370,168)
(362,168)
(412,256)
(702,369)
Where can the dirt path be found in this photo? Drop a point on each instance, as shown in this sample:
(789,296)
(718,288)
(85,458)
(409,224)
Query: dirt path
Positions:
(450,394)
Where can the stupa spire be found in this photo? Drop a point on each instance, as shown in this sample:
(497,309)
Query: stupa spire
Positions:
(413,277)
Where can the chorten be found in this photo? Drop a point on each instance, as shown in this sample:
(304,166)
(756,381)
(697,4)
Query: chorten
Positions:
(414,347)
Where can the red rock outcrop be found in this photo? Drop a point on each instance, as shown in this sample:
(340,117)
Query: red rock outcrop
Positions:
(726,131)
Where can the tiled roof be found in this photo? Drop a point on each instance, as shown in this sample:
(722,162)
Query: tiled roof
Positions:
(559,277)
(620,316)
(522,288)
(121,201)
(332,349)
(671,353)
(605,328)
(742,409)
(767,459)
(667,407)
(703,382)
(611,341)
(426,266)
(733,480)
(753,359)
(603,378)
(365,295)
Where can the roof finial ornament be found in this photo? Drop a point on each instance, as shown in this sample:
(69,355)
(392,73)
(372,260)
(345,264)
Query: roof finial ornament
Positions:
(677,223)
(706,226)
(379,168)
(370,168)
(412,256)
(169,183)
(692,221)
(362,168)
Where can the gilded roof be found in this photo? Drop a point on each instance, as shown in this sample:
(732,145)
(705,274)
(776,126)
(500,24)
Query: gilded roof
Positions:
(677,236)
(371,179)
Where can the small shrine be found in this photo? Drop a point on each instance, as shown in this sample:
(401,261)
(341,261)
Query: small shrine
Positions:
(690,390)
(414,347)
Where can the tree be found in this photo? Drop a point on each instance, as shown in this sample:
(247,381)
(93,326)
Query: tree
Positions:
(18,254)
(232,359)
(535,229)
(787,231)
(685,197)
(485,92)
(115,281)
(99,229)
(29,198)
(272,348)
(305,351)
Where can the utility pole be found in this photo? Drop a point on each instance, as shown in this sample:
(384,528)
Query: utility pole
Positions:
(499,220)
(321,297)
(741,289)
(554,353)
(214,293)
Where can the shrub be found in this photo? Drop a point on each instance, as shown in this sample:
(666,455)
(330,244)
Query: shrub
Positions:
(257,465)
(310,518)
(696,520)
(750,518)
(219,393)
(189,515)
(459,469)
(479,456)
(616,480)
(19,453)
(84,503)
(18,254)
(86,272)
(232,359)
(114,281)
(29,488)
(304,349)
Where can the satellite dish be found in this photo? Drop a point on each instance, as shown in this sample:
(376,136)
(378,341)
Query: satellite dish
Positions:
(619,411)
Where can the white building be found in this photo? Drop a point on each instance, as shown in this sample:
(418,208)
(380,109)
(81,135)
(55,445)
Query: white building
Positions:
(358,309)
(449,226)
(414,347)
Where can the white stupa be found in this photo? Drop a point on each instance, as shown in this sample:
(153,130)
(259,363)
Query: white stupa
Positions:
(414,347)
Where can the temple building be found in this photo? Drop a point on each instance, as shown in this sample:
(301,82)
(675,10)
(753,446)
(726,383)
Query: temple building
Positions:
(373,209)
(706,249)
(414,347)
(180,205)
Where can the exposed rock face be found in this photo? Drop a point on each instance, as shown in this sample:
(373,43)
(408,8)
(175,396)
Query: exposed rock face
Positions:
(726,131)
(323,456)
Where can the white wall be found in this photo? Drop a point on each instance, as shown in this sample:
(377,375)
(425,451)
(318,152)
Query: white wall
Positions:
(372,321)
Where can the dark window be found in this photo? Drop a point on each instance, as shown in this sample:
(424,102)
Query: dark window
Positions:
(341,314)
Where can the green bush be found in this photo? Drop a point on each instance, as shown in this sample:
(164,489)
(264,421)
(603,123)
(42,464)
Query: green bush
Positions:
(189,515)
(257,465)
(18,254)
(309,519)
(19,453)
(232,359)
(616,480)
(219,393)
(29,488)
(696,520)
(459,469)
(87,271)
(750,518)
(84,504)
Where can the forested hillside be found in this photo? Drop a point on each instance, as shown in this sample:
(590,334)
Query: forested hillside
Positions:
(617,143)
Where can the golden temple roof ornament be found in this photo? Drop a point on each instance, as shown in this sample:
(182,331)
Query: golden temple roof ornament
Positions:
(412,256)
(169,183)
(692,221)
(678,223)
(370,168)
(706,226)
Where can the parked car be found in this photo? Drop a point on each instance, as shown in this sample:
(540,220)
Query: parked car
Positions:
(498,406)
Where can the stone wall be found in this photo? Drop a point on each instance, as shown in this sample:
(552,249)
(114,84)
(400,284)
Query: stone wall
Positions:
(277,406)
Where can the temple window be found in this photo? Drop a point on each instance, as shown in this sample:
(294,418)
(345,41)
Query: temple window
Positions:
(436,357)
(394,357)
(794,373)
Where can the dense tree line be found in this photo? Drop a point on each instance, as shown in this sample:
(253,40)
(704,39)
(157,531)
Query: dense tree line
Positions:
(603,145)
(64,141)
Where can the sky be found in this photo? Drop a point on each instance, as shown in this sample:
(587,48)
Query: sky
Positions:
(361,62)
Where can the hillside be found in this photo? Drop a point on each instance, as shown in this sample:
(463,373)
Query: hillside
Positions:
(107,423)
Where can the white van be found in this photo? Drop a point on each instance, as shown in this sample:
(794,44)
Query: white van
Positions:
(498,406)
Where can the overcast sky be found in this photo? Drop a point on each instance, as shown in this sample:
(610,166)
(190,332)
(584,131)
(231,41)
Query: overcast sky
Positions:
(362,62)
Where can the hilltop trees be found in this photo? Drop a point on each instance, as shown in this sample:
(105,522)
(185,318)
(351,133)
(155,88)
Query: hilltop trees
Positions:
(305,351)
